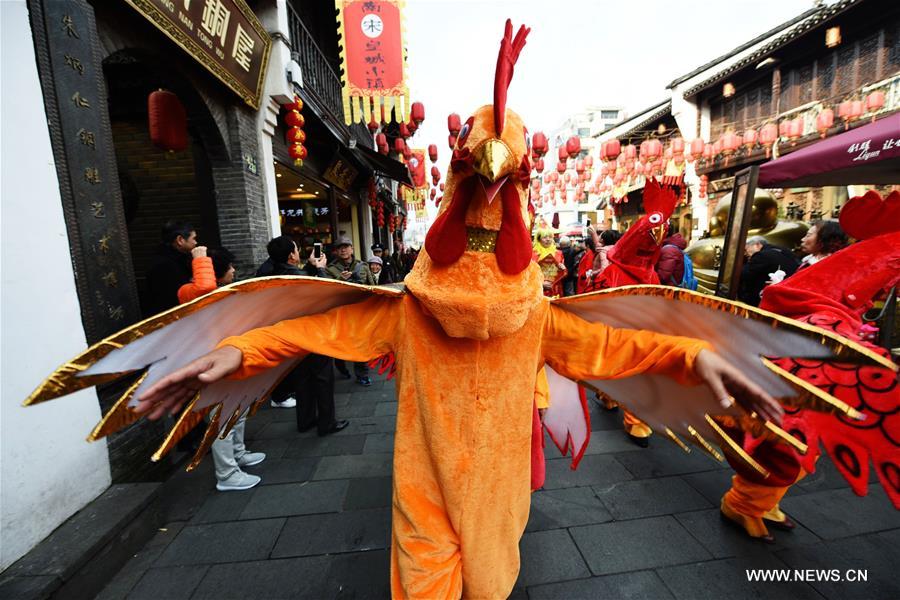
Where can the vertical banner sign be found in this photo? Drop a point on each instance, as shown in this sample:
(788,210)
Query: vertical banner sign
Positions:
(373,59)
(416,166)
(68,55)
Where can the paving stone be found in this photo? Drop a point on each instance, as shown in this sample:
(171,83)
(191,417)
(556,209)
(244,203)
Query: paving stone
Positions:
(331,445)
(274,448)
(379,443)
(222,506)
(649,497)
(518,593)
(877,556)
(712,485)
(341,399)
(363,465)
(41,586)
(599,469)
(385,409)
(636,545)
(728,579)
(826,477)
(605,442)
(127,577)
(276,430)
(267,580)
(604,420)
(553,509)
(352,531)
(372,425)
(172,583)
(281,414)
(642,585)
(663,459)
(355,410)
(840,513)
(360,575)
(724,539)
(222,542)
(369,492)
(285,470)
(548,556)
(295,499)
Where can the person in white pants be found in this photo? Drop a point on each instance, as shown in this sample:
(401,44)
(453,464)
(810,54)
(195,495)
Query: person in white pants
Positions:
(229,455)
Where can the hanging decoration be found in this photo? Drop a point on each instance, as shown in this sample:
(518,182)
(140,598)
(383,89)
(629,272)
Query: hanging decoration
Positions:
(295,136)
(168,121)
(373,60)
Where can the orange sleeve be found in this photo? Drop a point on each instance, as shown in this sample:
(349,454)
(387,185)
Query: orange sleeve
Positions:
(355,332)
(579,349)
(204,280)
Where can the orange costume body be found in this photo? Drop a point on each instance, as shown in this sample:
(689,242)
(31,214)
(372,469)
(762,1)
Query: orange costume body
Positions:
(464,420)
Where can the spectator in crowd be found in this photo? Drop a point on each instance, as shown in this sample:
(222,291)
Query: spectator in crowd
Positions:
(823,239)
(670,264)
(608,239)
(347,268)
(389,272)
(763,259)
(397,258)
(171,267)
(382,276)
(569,251)
(211,270)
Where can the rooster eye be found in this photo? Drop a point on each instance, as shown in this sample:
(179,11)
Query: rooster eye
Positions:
(464,132)
(527,141)
(655,218)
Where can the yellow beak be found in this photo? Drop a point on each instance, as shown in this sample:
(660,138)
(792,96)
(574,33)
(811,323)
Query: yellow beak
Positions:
(492,159)
(659,233)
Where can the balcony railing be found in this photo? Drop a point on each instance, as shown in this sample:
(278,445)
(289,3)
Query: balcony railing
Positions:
(318,76)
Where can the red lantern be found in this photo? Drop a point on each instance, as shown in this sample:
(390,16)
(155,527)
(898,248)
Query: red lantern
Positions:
(399,145)
(373,126)
(875,101)
(579,166)
(435,172)
(297,104)
(856,109)
(539,143)
(677,146)
(412,127)
(750,138)
(417,113)
(653,148)
(717,148)
(539,165)
(442,187)
(562,154)
(453,125)
(294,119)
(560,167)
(844,110)
(824,121)
(433,193)
(407,153)
(612,148)
(295,134)
(451,141)
(768,135)
(298,153)
(630,152)
(383,149)
(168,121)
(795,129)
(784,128)
(697,147)
(404,131)
(432,152)
(381,139)
(573,146)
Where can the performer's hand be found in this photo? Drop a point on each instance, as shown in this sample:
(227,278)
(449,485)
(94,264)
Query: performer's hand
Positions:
(726,381)
(169,393)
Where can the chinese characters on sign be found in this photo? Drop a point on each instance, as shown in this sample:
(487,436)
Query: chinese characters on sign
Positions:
(373,60)
(223,35)
(340,173)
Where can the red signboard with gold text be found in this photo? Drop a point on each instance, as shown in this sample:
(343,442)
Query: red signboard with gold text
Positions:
(373,60)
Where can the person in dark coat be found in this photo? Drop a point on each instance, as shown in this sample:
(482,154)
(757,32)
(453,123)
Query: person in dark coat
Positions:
(171,268)
(670,265)
(389,272)
(310,386)
(764,259)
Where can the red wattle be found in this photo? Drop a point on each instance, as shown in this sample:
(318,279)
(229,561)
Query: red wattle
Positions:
(513,248)
(446,240)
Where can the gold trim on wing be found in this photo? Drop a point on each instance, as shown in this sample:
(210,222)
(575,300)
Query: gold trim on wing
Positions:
(787,438)
(119,416)
(814,398)
(701,442)
(65,379)
(731,447)
(842,347)
(232,421)
(676,440)
(209,436)
(186,422)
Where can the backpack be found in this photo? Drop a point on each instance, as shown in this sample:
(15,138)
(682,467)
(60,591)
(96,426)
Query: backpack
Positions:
(688,280)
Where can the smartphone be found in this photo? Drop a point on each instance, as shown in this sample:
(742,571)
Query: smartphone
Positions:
(317,250)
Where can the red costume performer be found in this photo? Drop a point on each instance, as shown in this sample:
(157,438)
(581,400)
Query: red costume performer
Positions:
(831,294)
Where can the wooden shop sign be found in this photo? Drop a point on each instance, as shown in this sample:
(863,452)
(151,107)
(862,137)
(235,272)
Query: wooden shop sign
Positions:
(222,35)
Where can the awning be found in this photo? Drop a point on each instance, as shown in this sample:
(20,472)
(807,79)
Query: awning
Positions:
(867,154)
(383,165)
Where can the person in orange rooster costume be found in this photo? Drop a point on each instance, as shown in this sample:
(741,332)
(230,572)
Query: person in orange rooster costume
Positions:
(631,262)
(831,294)
(469,337)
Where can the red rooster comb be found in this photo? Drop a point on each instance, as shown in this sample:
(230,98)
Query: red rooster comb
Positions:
(506,62)
(658,198)
(869,216)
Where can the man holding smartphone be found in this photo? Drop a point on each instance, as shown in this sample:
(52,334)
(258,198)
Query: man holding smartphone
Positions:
(347,268)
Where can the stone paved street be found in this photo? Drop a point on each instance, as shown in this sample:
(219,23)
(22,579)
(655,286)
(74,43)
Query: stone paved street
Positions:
(629,523)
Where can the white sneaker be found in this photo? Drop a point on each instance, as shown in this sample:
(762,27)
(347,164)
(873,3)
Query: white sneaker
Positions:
(251,458)
(290,402)
(238,481)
